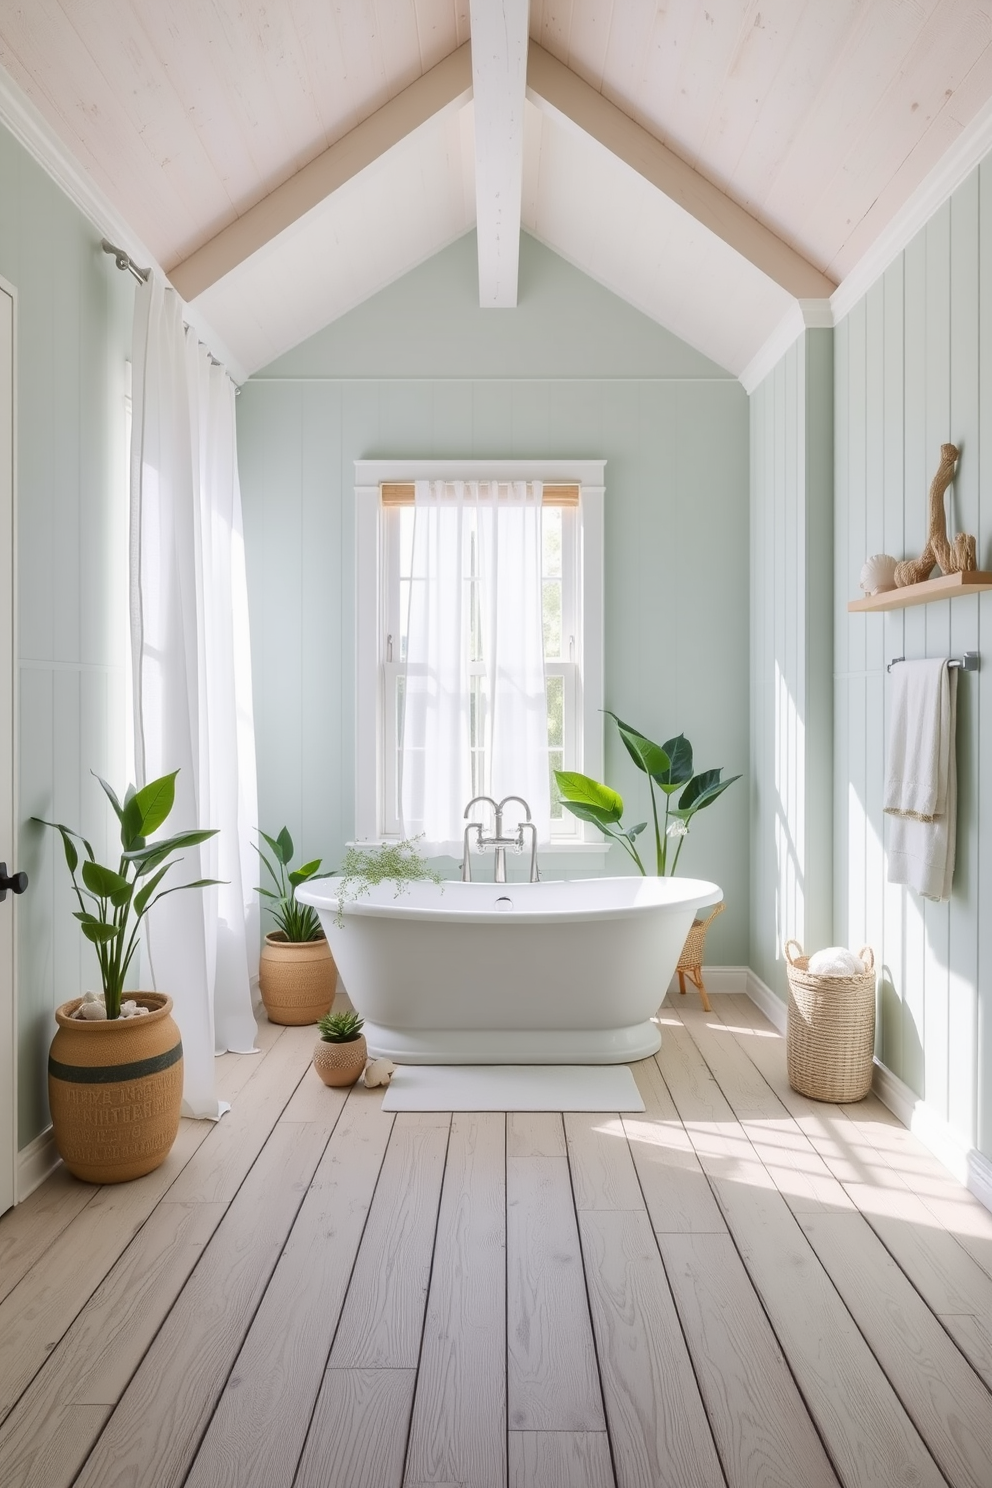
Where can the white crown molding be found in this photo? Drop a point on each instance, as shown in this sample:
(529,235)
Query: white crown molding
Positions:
(954,166)
(802,315)
(31,130)
(35,1162)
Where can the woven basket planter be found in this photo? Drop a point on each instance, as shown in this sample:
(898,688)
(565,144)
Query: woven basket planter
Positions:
(831,1029)
(297,979)
(115,1088)
(340,1064)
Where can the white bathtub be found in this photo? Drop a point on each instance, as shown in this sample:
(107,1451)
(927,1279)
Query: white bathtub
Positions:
(480,973)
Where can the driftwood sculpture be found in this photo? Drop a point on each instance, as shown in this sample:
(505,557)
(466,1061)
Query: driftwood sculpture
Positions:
(957,557)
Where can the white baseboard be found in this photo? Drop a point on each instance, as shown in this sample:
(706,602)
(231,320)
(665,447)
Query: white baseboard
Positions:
(966,1163)
(765,1000)
(717,979)
(35,1162)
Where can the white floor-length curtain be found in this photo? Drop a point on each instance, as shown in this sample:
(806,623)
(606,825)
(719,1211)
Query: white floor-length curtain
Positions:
(475,597)
(192,681)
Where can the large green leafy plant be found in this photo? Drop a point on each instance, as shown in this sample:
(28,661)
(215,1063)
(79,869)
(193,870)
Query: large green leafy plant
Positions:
(298,922)
(669,770)
(113,902)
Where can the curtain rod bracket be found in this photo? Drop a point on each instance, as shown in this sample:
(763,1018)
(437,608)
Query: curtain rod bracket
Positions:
(124,261)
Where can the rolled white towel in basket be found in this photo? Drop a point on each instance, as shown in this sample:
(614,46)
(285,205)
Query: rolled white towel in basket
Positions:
(836,961)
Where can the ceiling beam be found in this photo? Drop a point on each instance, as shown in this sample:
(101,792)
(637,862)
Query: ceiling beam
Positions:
(556,90)
(499,80)
(447,85)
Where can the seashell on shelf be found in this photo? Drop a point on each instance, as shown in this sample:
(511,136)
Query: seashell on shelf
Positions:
(878,574)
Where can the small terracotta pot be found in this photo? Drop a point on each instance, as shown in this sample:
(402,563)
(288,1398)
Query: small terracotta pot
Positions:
(297,979)
(115,1088)
(340,1064)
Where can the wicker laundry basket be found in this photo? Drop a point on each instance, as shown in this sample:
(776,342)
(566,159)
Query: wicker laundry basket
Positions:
(831,1029)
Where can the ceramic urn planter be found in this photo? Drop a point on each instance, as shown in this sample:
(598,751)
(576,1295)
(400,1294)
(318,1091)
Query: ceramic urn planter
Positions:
(340,1064)
(297,979)
(115,1088)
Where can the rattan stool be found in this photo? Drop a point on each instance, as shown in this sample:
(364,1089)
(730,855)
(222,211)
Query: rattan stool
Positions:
(691,960)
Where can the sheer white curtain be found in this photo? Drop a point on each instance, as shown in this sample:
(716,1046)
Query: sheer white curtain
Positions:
(475,709)
(192,680)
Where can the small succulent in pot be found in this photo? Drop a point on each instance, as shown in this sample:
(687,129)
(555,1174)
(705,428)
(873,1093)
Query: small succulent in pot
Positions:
(341,1052)
(341,1028)
(297,922)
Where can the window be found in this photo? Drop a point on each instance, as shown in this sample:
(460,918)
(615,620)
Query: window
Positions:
(572,614)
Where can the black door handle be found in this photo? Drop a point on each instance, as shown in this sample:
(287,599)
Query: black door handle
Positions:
(16,882)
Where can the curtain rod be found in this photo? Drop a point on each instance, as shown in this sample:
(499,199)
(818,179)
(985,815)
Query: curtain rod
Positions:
(124,261)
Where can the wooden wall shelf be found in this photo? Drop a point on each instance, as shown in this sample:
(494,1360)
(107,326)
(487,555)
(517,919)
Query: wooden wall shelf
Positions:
(946,587)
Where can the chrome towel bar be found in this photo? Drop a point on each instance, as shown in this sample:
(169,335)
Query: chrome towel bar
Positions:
(966,663)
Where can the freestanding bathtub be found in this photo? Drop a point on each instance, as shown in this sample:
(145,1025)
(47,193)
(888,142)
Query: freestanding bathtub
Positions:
(519,973)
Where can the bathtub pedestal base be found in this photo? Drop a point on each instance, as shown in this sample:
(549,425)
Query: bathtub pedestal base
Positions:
(513,1046)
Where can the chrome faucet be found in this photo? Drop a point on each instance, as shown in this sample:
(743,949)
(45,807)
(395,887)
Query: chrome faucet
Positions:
(498,841)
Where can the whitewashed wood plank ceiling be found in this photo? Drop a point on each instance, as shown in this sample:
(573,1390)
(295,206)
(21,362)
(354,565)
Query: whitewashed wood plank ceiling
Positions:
(820,119)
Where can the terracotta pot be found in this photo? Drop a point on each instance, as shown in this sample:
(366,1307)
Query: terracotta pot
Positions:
(115,1088)
(297,979)
(340,1064)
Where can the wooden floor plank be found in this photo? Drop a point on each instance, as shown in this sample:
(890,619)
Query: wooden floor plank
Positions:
(383,1318)
(552,1376)
(359,1430)
(40,1309)
(675,1188)
(104,1346)
(603,1173)
(657,1421)
(949,1405)
(458,1431)
(258,1429)
(865,1429)
(560,1459)
(798,1171)
(762,1428)
(239,1136)
(156,1428)
(28,1230)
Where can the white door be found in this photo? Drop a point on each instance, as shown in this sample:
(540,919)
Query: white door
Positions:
(8,848)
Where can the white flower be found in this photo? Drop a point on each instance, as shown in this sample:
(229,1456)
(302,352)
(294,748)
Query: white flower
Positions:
(678,828)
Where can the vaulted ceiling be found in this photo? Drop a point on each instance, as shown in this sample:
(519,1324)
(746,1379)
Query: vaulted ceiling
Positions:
(717,164)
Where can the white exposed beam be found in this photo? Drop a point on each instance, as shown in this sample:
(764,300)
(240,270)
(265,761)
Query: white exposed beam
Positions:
(560,92)
(448,85)
(499,79)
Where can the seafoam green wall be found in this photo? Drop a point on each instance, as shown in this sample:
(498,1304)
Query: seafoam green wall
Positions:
(914,369)
(791,632)
(73,338)
(420,370)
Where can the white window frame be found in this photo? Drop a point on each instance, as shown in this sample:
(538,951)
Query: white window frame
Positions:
(586,846)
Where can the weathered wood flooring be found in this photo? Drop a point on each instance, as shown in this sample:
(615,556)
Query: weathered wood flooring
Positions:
(739,1287)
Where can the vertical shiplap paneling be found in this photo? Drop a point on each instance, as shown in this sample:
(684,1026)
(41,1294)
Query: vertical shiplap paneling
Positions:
(852,803)
(891,1033)
(933,365)
(938,629)
(962,503)
(817,560)
(981,690)
(874,637)
(73,339)
(842,628)
(914,508)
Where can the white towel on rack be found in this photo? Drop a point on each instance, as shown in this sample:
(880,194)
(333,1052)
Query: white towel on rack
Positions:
(921,780)
(912,780)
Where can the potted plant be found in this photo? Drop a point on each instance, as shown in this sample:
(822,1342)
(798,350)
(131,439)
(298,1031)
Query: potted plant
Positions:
(669,768)
(296,975)
(115,1071)
(340,1053)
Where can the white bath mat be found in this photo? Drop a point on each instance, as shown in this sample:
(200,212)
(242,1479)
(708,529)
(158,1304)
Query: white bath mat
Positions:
(512,1087)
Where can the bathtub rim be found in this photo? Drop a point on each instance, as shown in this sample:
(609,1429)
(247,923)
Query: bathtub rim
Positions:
(698,893)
